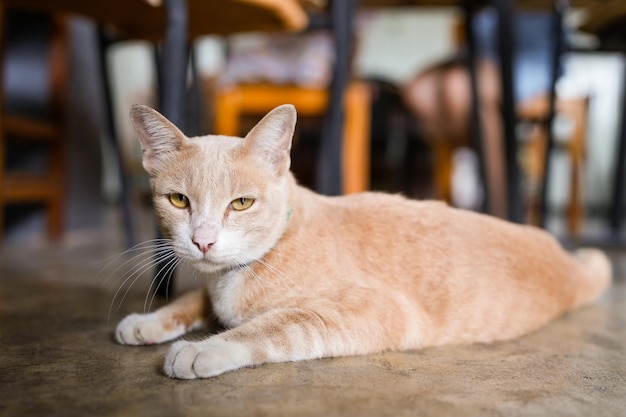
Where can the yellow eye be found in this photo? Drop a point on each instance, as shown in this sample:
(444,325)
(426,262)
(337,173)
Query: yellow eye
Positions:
(179,200)
(241,203)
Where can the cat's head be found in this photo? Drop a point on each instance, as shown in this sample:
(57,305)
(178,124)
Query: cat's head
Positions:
(224,201)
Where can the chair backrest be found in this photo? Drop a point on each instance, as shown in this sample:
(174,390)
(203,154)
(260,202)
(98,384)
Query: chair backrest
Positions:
(32,64)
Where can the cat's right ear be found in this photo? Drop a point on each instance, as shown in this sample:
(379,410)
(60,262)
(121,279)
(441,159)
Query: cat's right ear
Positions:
(158,136)
(271,137)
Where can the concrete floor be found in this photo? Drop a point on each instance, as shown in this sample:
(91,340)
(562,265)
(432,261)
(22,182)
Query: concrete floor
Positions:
(58,358)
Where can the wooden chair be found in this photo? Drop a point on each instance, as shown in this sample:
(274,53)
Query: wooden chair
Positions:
(257,99)
(535,111)
(45,186)
(532,153)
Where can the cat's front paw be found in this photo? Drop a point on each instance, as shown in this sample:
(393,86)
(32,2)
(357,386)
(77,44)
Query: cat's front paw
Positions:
(190,360)
(147,329)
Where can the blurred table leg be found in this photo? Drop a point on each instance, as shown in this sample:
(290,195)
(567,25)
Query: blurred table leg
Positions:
(173,63)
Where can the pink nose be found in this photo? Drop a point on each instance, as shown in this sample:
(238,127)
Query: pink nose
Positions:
(203,241)
(203,244)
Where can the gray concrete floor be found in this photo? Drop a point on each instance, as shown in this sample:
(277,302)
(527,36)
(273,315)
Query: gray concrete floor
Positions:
(58,358)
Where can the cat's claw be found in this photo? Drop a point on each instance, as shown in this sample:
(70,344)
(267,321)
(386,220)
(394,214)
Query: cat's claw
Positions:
(147,329)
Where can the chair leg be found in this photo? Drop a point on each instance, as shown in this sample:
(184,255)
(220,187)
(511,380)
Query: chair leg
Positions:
(616,211)
(55,220)
(533,157)
(173,65)
(477,134)
(442,154)
(356,139)
(579,111)
(127,211)
(506,53)
(56,206)
(557,29)
(575,209)
(329,173)
(227,118)
(2,137)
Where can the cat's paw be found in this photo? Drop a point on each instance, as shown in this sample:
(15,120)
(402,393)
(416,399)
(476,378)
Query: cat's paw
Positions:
(190,360)
(148,329)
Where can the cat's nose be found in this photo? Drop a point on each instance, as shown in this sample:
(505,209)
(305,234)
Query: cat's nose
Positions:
(204,239)
(203,243)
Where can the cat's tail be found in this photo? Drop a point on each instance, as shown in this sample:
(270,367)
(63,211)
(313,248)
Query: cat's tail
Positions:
(597,274)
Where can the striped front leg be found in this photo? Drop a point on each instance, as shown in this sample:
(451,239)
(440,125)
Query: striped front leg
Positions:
(277,336)
(358,322)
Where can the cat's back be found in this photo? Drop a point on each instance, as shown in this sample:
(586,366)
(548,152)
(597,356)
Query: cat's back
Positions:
(371,211)
(372,222)
(375,226)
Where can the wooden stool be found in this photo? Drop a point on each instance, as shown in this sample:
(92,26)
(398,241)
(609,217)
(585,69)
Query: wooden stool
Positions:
(45,187)
(258,99)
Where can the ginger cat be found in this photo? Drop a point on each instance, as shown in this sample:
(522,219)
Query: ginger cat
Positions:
(295,275)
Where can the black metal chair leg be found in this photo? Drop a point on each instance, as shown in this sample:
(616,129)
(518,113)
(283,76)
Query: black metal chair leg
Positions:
(197,109)
(126,202)
(173,67)
(475,122)
(506,52)
(617,203)
(560,7)
(329,178)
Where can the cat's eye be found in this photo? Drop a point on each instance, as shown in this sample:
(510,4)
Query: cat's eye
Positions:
(241,203)
(179,200)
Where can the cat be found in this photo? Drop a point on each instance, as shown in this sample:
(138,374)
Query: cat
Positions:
(294,275)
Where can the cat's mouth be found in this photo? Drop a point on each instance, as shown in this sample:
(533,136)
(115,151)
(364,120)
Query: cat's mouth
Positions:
(203,260)
(210,265)
(213,263)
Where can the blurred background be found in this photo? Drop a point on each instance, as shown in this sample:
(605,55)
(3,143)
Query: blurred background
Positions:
(404,147)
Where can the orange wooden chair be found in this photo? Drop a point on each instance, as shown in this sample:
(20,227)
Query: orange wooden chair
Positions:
(257,99)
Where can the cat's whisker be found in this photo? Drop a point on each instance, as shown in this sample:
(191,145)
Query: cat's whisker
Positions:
(132,264)
(147,244)
(289,282)
(137,272)
(147,247)
(163,256)
(164,272)
(247,268)
(194,271)
(150,258)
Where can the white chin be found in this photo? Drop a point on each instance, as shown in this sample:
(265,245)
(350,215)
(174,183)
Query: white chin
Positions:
(205,265)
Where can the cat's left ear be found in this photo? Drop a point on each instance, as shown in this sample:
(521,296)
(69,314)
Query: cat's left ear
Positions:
(158,136)
(271,137)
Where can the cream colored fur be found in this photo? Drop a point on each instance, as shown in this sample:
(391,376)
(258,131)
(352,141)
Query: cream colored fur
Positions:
(302,276)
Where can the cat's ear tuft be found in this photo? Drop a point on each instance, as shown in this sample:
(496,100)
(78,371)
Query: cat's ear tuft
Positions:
(158,136)
(271,137)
